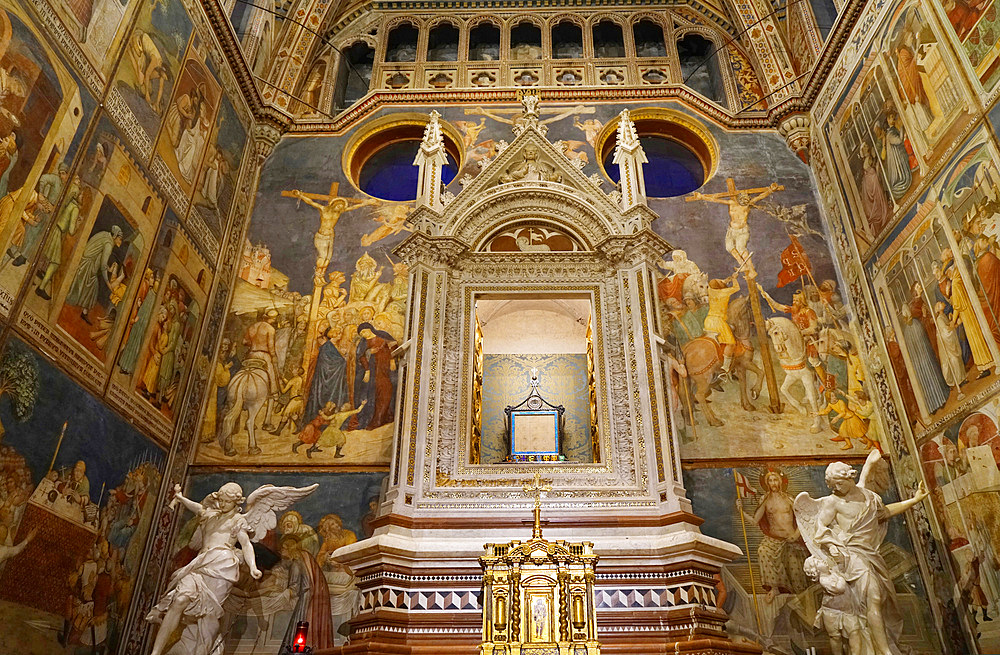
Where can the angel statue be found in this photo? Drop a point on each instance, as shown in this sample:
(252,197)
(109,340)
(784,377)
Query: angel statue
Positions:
(843,532)
(197,592)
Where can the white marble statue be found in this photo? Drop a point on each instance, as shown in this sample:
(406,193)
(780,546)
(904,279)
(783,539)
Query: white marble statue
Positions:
(844,532)
(196,593)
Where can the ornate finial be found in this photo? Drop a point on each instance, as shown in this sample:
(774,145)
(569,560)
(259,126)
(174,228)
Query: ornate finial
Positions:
(630,157)
(529,113)
(431,158)
(628,139)
(536,488)
(433,138)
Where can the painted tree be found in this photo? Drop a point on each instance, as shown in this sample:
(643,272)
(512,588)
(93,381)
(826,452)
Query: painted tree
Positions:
(18,382)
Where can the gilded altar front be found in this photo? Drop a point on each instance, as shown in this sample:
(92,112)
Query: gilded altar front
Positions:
(538,598)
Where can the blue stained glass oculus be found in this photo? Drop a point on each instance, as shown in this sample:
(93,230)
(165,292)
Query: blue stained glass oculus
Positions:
(672,170)
(389,173)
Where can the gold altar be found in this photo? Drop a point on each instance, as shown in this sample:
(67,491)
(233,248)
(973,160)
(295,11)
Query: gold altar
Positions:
(538,595)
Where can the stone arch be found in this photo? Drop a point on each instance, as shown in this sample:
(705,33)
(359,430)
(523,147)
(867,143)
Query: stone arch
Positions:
(509,205)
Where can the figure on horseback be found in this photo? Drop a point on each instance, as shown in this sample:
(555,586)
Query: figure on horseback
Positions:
(724,343)
(252,387)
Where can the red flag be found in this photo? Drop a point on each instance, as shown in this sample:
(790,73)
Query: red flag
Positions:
(743,488)
(794,263)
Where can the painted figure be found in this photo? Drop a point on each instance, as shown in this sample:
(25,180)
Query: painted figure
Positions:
(781,553)
(66,226)
(374,379)
(93,270)
(738,232)
(329,214)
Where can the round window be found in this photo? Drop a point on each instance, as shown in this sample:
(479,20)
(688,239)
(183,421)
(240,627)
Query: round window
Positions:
(680,153)
(380,163)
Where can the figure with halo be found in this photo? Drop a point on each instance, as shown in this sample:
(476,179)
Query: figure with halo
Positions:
(196,592)
(843,532)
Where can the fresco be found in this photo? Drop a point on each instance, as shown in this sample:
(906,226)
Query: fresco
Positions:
(90,263)
(42,119)
(152,62)
(79,485)
(300,582)
(216,186)
(96,26)
(310,332)
(290,295)
(960,465)
(767,596)
(903,106)
(166,315)
(189,121)
(975,25)
(937,288)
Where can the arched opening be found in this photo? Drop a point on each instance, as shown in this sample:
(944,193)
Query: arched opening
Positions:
(484,42)
(402,43)
(609,41)
(700,67)
(355,74)
(679,160)
(649,41)
(526,42)
(567,40)
(442,43)
(381,165)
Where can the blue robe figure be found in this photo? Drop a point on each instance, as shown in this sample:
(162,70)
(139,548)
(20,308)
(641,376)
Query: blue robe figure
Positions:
(925,363)
(328,382)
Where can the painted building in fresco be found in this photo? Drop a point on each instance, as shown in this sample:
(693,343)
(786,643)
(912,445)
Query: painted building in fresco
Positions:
(206,275)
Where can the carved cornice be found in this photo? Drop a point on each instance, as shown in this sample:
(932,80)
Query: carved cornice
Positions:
(433,251)
(646,246)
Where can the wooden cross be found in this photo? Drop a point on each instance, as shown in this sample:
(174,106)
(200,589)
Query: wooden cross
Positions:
(334,186)
(732,191)
(535,489)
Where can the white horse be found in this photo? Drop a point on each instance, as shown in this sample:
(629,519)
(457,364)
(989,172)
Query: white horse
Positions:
(249,389)
(791,350)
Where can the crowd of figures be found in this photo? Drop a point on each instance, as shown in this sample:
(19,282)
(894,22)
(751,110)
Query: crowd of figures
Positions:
(941,302)
(712,344)
(311,395)
(98,579)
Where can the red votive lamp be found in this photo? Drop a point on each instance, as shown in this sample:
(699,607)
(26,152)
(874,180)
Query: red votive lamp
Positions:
(301,632)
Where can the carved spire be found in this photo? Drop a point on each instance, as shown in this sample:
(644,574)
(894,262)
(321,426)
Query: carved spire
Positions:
(529,114)
(630,157)
(431,158)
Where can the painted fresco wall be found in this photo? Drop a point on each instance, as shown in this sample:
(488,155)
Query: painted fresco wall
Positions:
(294,371)
(75,512)
(906,160)
(121,149)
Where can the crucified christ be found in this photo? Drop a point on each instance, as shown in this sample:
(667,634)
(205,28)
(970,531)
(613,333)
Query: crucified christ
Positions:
(329,214)
(740,203)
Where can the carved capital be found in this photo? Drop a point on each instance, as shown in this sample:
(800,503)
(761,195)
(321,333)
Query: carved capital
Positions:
(435,252)
(644,246)
(795,129)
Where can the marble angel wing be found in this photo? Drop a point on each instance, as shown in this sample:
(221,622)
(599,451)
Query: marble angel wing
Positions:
(806,510)
(264,503)
(875,473)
